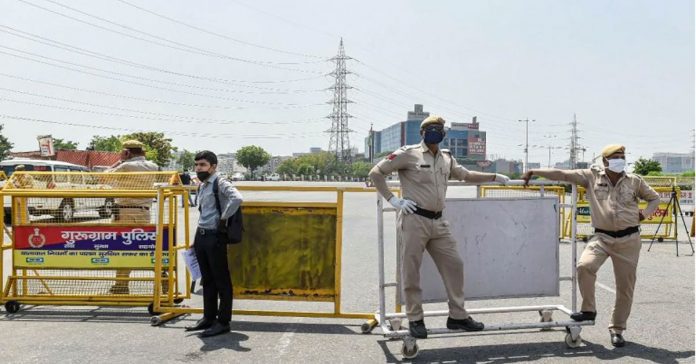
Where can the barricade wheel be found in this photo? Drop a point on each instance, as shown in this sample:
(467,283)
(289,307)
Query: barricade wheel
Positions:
(660,239)
(155,321)
(178,300)
(573,343)
(12,306)
(409,350)
(368,326)
(151,309)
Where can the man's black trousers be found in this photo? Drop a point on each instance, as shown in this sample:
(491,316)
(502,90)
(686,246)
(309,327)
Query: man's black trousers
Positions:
(212,259)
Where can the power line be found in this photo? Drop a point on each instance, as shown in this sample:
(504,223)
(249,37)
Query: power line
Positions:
(155,101)
(89,53)
(179,46)
(173,118)
(223,36)
(190,134)
(127,81)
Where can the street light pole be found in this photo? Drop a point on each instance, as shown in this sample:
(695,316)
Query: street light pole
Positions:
(526,143)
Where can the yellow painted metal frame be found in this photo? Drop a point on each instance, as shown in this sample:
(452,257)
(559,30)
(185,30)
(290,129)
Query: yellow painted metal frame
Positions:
(19,195)
(169,312)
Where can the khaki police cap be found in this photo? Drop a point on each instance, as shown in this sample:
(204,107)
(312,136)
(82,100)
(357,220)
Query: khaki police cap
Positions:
(432,120)
(613,148)
(132,144)
(20,167)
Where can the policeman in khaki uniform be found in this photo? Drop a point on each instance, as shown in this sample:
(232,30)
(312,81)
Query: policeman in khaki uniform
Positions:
(613,195)
(132,210)
(424,170)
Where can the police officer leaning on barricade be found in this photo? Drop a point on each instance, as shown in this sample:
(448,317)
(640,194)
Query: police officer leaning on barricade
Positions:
(210,245)
(132,210)
(424,170)
(613,195)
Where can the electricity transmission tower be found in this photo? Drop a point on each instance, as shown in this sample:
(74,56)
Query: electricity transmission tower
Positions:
(574,146)
(339,142)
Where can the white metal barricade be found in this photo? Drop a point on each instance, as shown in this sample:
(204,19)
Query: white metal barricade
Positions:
(390,322)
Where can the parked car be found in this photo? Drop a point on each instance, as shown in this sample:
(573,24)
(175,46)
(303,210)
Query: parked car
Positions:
(273,177)
(60,208)
(238,176)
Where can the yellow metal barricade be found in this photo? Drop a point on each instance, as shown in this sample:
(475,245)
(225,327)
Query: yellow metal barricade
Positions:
(531,191)
(291,251)
(649,226)
(79,238)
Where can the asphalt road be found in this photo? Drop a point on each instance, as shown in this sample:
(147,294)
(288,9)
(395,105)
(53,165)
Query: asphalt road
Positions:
(661,327)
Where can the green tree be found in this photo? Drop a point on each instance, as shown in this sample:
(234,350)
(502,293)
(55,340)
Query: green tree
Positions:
(287,167)
(112,143)
(60,144)
(186,160)
(644,166)
(252,157)
(5,145)
(158,148)
(360,169)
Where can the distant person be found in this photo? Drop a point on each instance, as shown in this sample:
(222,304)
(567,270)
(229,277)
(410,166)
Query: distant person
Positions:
(186,181)
(614,196)
(132,210)
(22,180)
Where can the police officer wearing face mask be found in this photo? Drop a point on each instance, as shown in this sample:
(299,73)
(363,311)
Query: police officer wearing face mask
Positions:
(613,195)
(424,170)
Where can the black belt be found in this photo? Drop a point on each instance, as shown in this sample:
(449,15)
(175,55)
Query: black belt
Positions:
(132,207)
(204,231)
(620,233)
(427,213)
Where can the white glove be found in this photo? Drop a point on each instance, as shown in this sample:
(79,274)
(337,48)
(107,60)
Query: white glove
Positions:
(406,206)
(501,178)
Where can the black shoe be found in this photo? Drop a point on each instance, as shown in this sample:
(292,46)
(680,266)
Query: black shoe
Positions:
(417,329)
(467,324)
(201,324)
(617,340)
(216,329)
(584,316)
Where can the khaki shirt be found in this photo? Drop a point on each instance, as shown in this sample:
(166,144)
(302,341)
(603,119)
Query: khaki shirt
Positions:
(135,182)
(423,175)
(612,207)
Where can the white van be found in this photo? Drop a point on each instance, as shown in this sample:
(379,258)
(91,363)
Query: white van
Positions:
(65,208)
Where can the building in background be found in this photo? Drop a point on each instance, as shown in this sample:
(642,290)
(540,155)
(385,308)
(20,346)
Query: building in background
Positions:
(466,141)
(675,162)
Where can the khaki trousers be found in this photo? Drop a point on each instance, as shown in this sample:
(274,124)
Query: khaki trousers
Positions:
(624,253)
(129,216)
(418,233)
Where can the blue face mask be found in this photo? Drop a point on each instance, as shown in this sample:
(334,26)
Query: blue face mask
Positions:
(432,136)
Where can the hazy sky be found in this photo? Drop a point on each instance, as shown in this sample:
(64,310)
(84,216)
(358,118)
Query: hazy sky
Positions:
(253,72)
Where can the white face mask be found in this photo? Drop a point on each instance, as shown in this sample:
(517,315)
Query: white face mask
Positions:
(617,165)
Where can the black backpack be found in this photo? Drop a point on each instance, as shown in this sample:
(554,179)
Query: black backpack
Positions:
(234,224)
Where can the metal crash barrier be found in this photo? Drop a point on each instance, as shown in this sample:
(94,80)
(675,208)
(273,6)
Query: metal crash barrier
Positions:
(79,238)
(291,251)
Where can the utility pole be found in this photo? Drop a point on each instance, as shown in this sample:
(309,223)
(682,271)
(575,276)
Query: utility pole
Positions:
(372,144)
(339,142)
(550,146)
(526,143)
